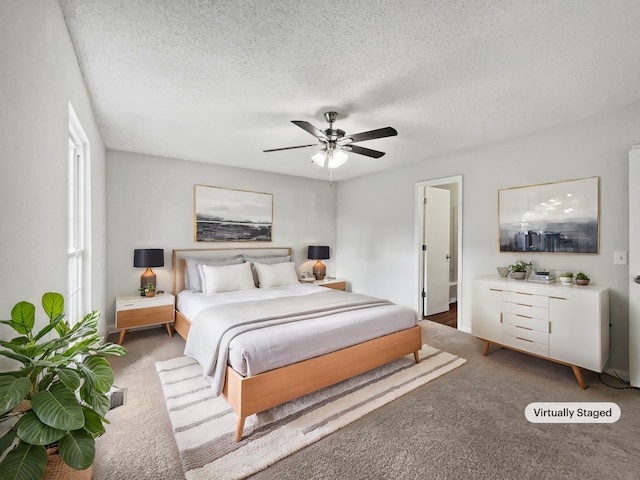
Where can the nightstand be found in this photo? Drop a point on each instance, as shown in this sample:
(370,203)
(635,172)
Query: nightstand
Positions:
(335,283)
(135,311)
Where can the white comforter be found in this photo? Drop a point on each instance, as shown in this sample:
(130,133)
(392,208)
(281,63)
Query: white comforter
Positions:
(232,327)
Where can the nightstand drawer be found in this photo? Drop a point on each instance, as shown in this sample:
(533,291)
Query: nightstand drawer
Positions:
(144,316)
(335,285)
(138,302)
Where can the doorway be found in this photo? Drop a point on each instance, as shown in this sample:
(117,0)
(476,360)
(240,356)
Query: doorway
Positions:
(440,249)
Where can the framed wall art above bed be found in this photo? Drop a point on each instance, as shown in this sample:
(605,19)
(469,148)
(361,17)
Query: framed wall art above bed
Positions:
(227,215)
(560,217)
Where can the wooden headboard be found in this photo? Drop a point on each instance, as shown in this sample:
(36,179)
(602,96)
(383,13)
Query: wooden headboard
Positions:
(180,255)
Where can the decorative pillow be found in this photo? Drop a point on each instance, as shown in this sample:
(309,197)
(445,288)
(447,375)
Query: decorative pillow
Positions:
(228,278)
(265,260)
(193,277)
(277,274)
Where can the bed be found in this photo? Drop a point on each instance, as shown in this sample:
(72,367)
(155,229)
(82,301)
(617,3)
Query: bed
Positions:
(279,338)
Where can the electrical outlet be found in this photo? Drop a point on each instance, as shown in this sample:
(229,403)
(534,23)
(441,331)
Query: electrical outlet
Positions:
(620,258)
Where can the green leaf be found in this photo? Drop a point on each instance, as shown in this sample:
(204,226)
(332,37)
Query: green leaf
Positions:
(102,371)
(78,449)
(12,392)
(23,316)
(111,349)
(7,440)
(70,378)
(52,324)
(58,407)
(31,430)
(25,462)
(93,422)
(53,304)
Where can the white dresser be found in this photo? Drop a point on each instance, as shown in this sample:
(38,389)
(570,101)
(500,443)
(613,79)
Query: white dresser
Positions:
(565,324)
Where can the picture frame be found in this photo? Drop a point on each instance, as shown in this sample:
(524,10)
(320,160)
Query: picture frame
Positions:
(559,217)
(230,215)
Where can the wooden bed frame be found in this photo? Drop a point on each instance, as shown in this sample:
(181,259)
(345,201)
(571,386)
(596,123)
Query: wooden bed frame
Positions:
(249,395)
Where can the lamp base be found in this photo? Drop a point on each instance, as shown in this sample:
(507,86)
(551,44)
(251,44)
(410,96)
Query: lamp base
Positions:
(319,270)
(148,277)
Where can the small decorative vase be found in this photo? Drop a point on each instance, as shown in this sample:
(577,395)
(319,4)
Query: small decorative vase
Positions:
(503,271)
(581,281)
(566,280)
(519,275)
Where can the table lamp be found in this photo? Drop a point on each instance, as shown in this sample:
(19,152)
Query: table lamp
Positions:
(148,258)
(318,253)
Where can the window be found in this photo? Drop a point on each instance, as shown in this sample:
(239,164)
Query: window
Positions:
(79,239)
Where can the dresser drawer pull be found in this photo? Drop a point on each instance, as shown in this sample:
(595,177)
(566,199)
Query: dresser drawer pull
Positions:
(525,339)
(524,328)
(558,298)
(523,316)
(524,305)
(496,290)
(524,293)
(128,304)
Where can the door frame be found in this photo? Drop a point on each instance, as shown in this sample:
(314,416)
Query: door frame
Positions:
(419,228)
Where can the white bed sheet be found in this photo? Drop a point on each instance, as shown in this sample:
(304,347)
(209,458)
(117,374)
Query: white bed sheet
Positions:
(265,349)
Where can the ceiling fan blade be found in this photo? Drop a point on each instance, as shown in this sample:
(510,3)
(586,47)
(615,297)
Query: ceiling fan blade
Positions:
(290,148)
(370,135)
(363,151)
(310,128)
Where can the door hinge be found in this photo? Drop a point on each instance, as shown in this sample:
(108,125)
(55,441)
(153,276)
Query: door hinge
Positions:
(424,248)
(424,294)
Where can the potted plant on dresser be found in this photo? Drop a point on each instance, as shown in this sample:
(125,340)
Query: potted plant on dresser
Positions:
(519,269)
(54,405)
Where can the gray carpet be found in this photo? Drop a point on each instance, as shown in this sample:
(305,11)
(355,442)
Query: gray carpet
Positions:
(468,424)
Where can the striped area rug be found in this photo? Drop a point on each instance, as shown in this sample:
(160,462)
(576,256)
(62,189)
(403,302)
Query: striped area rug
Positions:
(204,425)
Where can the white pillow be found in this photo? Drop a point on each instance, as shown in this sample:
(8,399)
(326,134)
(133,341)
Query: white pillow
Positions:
(277,274)
(266,260)
(228,278)
(193,277)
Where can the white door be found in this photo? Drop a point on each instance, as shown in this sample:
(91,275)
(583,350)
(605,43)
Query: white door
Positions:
(634,266)
(437,214)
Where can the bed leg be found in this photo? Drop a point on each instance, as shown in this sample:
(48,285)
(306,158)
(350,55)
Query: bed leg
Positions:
(416,356)
(239,429)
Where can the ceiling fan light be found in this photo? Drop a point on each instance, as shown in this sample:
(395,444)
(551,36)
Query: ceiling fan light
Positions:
(337,158)
(319,158)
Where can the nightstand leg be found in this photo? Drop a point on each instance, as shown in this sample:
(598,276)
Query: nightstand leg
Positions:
(122,332)
(168,325)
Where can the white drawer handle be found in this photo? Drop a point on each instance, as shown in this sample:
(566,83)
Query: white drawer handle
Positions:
(525,339)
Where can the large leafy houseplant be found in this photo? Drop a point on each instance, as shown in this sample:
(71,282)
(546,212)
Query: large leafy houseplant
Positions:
(59,396)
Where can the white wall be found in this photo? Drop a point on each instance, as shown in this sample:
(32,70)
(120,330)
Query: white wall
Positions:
(377,248)
(151,205)
(39,76)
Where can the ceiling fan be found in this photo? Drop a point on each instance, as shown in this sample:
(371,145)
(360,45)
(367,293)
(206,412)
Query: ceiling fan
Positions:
(336,142)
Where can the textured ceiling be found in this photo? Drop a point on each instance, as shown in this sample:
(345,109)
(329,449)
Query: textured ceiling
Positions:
(219,80)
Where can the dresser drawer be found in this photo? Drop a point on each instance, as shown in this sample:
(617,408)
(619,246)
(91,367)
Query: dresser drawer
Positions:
(523,310)
(144,316)
(525,299)
(524,321)
(526,345)
(525,333)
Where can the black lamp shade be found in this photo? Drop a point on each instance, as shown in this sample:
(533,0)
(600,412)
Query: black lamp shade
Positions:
(148,257)
(317,252)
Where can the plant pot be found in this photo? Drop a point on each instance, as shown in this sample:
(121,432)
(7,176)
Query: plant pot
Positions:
(149,294)
(581,281)
(58,470)
(519,275)
(503,271)
(566,280)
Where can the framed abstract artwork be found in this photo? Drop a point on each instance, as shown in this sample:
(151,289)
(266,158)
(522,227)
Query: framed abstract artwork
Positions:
(560,217)
(227,215)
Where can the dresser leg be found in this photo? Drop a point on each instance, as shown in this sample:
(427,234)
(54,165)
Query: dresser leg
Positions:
(578,374)
(122,333)
(485,351)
